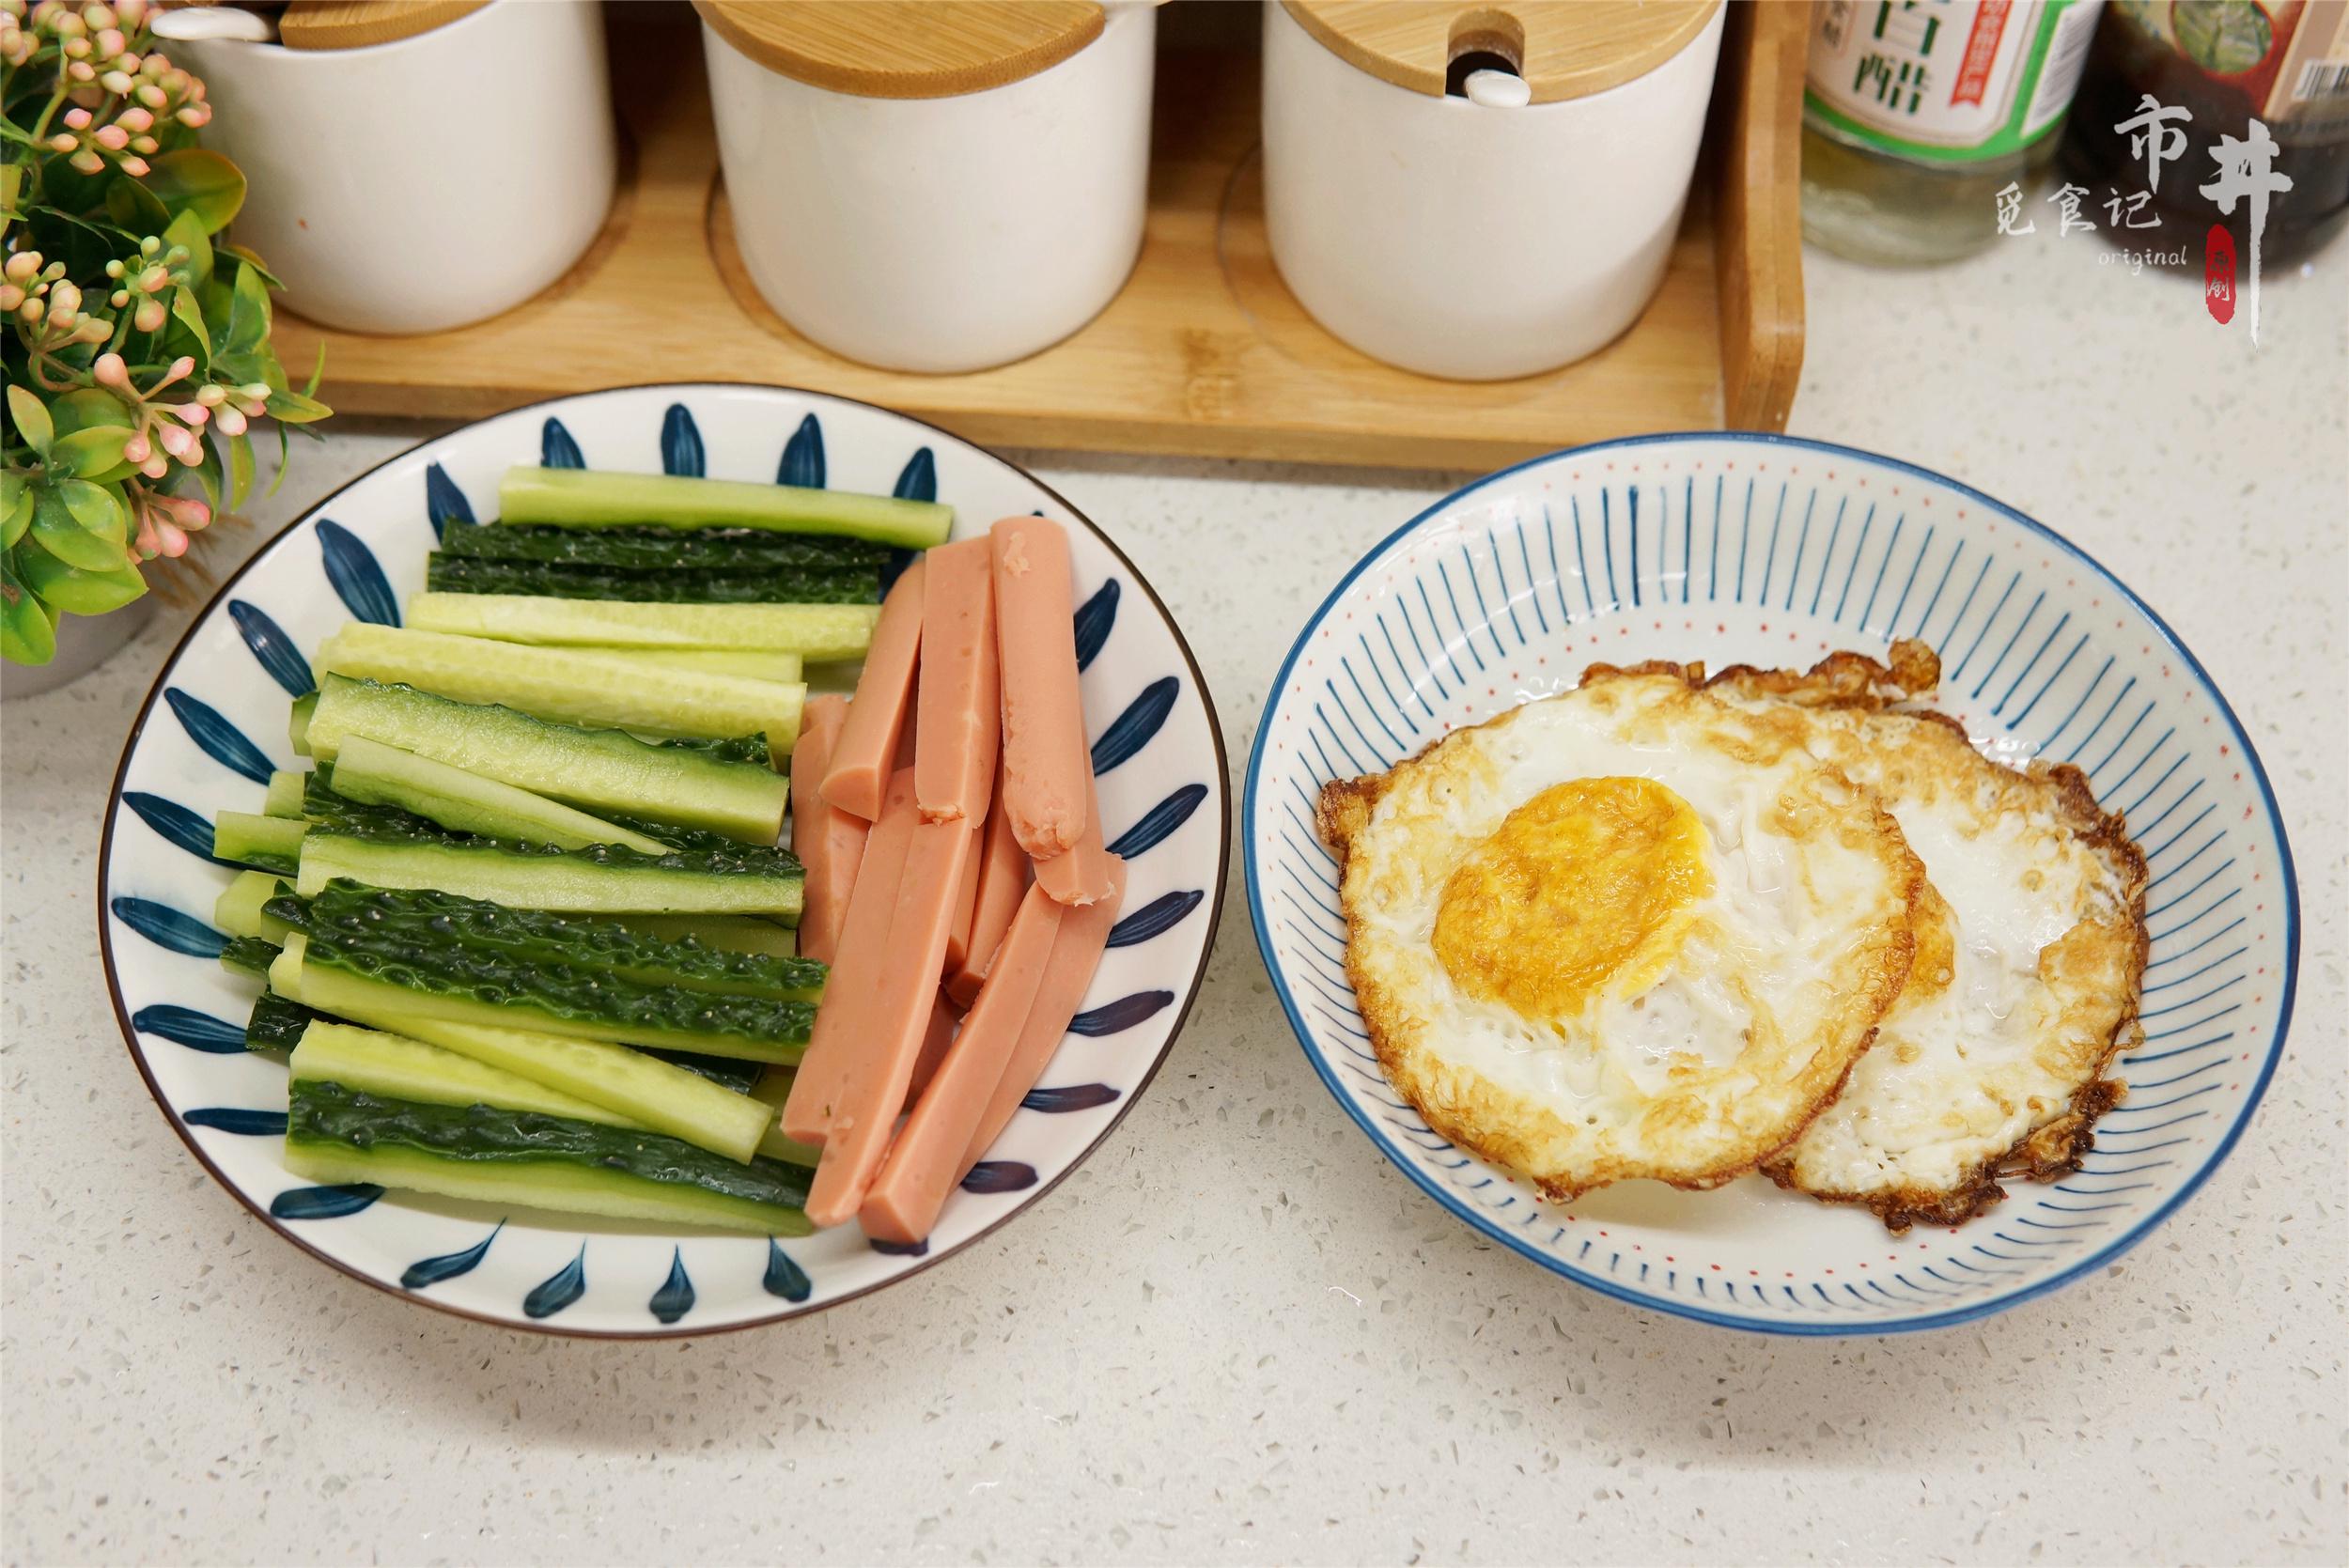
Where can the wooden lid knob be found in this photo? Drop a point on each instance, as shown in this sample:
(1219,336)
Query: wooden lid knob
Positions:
(905,48)
(1561,48)
(357,24)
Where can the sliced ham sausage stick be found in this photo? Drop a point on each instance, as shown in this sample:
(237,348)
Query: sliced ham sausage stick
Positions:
(1046,759)
(829,842)
(926,1160)
(844,1021)
(1003,880)
(1080,876)
(958,725)
(936,1040)
(891,1020)
(857,775)
(1076,949)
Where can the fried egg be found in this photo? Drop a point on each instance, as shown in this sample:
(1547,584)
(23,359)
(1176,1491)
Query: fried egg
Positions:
(1626,931)
(2029,959)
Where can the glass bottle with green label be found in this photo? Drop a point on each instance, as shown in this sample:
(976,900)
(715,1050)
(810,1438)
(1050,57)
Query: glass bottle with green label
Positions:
(1925,122)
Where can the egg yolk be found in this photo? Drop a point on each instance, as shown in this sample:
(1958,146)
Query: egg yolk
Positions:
(1586,889)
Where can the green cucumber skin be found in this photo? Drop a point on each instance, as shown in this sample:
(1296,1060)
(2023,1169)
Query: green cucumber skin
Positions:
(331,809)
(457,574)
(248,956)
(351,912)
(594,498)
(598,770)
(392,1067)
(298,726)
(565,999)
(663,549)
(586,881)
(277,1023)
(264,843)
(732,1072)
(328,1122)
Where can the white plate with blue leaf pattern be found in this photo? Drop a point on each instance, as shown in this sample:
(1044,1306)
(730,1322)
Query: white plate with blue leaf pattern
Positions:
(215,725)
(1768,550)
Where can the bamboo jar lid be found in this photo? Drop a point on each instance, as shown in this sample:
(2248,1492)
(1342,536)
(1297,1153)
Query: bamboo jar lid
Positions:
(1561,48)
(905,48)
(358,23)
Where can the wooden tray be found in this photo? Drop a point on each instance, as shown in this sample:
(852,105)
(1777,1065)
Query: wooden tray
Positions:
(1204,352)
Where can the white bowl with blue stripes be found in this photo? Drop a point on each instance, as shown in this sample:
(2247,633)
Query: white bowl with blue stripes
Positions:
(1769,550)
(216,723)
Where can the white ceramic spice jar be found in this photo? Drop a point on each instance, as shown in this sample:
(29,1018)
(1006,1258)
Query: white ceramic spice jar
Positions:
(1510,226)
(424,182)
(935,186)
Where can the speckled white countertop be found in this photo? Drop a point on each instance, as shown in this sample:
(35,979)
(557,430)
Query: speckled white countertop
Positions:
(1238,1335)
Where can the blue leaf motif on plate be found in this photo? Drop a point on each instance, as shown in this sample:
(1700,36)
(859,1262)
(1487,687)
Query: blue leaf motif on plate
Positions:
(675,1297)
(1160,821)
(557,449)
(1132,729)
(323,1203)
(228,1118)
(187,1027)
(165,926)
(1093,619)
(1000,1175)
(443,503)
(784,1277)
(918,480)
(273,647)
(221,741)
(351,566)
(804,456)
(680,442)
(560,1289)
(1067,1098)
(900,1249)
(173,820)
(1112,1016)
(431,1271)
(1160,915)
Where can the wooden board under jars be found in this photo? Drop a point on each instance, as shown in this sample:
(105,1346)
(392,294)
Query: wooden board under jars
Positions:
(1204,352)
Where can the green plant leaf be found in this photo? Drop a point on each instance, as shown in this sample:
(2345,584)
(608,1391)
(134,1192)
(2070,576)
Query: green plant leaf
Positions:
(135,207)
(317,374)
(239,468)
(187,333)
(246,254)
(193,179)
(58,526)
(94,453)
(28,630)
(16,509)
(206,476)
(248,314)
(70,191)
(293,408)
(185,228)
(80,592)
(32,419)
(86,406)
(284,451)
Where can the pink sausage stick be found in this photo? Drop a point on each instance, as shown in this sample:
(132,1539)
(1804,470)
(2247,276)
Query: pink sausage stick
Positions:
(1084,933)
(926,1160)
(966,902)
(1081,876)
(959,726)
(1002,880)
(830,843)
(843,1019)
(936,1039)
(889,1027)
(857,775)
(1046,759)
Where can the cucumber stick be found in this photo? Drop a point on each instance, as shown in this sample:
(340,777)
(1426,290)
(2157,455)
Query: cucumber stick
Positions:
(665,550)
(238,909)
(770,1091)
(401,991)
(726,933)
(285,794)
(394,1066)
(252,955)
(277,1023)
(785,667)
(372,773)
(569,685)
(814,631)
(598,498)
(458,574)
(596,770)
(267,843)
(480,1153)
(375,915)
(625,1082)
(594,881)
(298,726)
